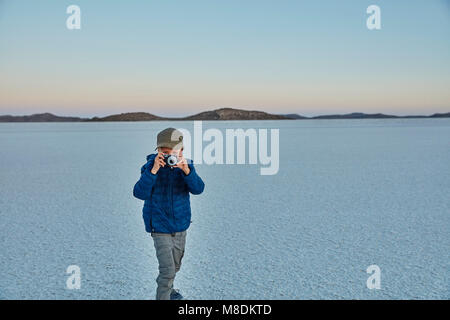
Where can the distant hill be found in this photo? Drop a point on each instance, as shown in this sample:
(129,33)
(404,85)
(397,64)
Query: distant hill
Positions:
(359,115)
(355,115)
(39,117)
(130,116)
(218,114)
(440,115)
(294,116)
(234,114)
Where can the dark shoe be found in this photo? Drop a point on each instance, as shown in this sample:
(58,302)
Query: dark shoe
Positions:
(176,295)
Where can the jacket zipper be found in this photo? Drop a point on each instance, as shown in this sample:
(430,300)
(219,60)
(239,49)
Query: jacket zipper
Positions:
(171,195)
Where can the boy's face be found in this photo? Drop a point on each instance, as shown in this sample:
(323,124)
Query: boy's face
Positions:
(164,150)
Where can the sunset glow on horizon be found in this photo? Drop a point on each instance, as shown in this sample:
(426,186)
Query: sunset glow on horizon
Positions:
(183,57)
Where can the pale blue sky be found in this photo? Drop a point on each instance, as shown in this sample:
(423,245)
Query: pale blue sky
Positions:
(183,57)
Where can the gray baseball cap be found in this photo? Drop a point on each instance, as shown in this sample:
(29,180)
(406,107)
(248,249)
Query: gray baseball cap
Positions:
(170,138)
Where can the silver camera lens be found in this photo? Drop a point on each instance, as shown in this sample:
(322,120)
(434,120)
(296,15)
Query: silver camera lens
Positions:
(172,160)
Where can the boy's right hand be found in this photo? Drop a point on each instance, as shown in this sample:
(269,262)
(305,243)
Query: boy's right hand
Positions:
(158,163)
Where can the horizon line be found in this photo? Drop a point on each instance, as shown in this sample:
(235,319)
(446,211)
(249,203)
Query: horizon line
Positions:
(210,110)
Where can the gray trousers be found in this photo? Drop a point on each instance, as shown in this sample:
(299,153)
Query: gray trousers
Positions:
(169,251)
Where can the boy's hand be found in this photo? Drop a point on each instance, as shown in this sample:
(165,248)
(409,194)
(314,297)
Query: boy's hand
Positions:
(158,163)
(182,164)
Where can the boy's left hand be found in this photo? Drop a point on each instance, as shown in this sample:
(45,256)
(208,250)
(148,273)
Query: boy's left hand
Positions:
(183,165)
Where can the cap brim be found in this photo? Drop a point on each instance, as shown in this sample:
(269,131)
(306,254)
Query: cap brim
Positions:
(170,146)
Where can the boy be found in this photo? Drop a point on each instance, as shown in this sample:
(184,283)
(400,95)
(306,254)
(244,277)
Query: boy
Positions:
(167,211)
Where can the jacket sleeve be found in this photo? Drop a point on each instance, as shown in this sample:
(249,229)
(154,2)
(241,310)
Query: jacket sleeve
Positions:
(143,188)
(193,181)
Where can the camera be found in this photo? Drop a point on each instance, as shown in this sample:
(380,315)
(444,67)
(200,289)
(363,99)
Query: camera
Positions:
(170,159)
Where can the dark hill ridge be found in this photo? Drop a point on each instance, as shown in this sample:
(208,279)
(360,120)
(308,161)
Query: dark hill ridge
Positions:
(441,115)
(356,115)
(39,117)
(234,114)
(359,115)
(130,116)
(294,116)
(218,114)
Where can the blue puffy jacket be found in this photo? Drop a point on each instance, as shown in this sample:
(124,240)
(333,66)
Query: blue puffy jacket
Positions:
(167,207)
